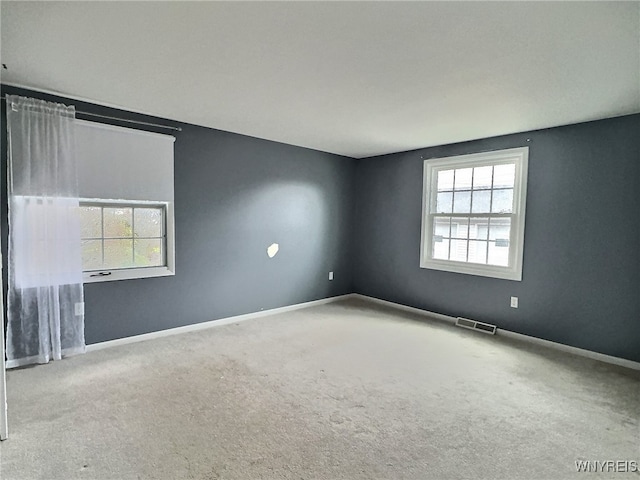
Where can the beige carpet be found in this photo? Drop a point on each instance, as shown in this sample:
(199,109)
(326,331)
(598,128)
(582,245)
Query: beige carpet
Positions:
(342,391)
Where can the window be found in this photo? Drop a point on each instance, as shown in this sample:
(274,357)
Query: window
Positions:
(125,240)
(473,213)
(133,235)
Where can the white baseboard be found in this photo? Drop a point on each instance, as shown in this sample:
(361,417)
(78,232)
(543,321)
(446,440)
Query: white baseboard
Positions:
(210,324)
(399,306)
(622,362)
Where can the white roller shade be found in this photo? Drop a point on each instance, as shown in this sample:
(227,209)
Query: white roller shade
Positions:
(123,164)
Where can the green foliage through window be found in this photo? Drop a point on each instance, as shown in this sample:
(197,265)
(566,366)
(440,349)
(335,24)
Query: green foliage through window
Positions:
(122,236)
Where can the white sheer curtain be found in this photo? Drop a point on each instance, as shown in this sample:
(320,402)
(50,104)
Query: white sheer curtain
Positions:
(45,295)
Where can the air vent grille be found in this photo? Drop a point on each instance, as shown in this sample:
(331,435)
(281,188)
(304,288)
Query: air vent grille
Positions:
(474,325)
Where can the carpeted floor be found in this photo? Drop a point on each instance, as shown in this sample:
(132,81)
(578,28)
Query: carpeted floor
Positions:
(348,390)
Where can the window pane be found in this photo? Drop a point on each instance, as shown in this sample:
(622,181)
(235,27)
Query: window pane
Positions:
(118,253)
(498,255)
(117,222)
(148,253)
(502,201)
(463,179)
(91,222)
(445,180)
(459,250)
(481,201)
(504,175)
(148,222)
(500,228)
(478,228)
(477,252)
(91,254)
(482,177)
(460,227)
(444,202)
(462,202)
(441,226)
(440,248)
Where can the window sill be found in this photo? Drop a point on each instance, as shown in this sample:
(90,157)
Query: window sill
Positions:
(504,273)
(126,274)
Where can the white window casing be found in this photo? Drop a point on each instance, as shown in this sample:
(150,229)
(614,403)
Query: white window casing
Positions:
(92,275)
(474,243)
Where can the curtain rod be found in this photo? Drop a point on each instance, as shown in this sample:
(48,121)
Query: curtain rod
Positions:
(178,129)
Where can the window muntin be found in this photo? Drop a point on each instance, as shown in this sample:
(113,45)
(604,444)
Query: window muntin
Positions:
(474,213)
(124,240)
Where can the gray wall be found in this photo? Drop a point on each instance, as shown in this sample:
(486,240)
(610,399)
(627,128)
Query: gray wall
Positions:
(234,196)
(581,275)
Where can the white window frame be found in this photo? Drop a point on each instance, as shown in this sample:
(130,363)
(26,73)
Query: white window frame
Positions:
(108,275)
(519,156)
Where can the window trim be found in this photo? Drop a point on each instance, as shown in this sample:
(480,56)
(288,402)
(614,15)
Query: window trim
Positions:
(108,275)
(516,241)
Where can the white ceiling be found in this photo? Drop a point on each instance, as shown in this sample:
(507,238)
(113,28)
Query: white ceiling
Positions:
(353,78)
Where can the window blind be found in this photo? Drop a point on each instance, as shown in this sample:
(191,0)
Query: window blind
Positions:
(122,163)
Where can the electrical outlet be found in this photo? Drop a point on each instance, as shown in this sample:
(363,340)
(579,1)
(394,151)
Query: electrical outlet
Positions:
(330,275)
(79,308)
(514,302)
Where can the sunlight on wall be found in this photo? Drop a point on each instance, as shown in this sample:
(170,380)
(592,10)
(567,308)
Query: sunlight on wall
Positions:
(294,214)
